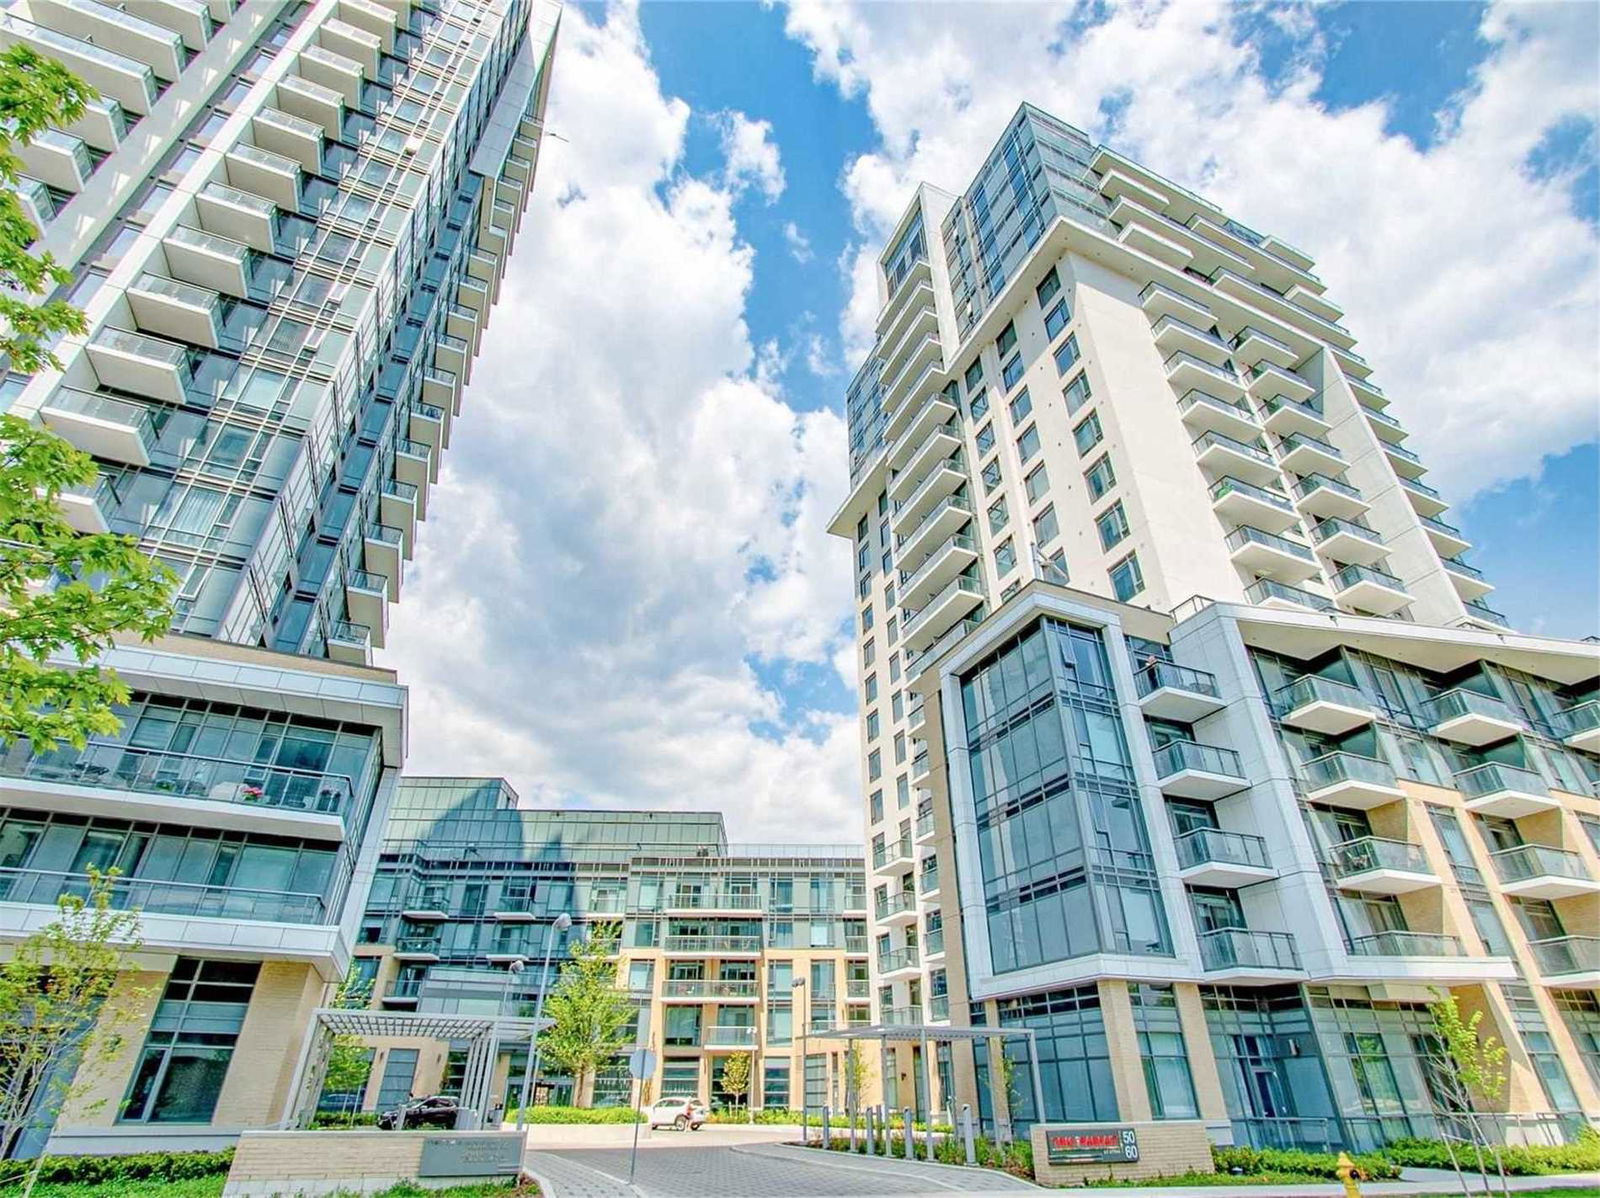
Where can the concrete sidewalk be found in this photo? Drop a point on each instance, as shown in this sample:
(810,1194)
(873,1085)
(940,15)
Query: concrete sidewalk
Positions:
(1431,1183)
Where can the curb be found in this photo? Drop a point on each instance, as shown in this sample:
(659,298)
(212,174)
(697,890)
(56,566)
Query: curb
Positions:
(965,1172)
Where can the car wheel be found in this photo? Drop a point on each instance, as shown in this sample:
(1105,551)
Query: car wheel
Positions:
(681,1122)
(696,1126)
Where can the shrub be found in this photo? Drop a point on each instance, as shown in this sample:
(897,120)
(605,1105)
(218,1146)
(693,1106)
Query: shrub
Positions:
(137,1166)
(335,1121)
(575,1114)
(1521,1160)
(1255,1161)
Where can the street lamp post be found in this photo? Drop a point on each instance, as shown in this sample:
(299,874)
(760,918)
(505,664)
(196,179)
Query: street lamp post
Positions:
(530,1067)
(513,968)
(798,987)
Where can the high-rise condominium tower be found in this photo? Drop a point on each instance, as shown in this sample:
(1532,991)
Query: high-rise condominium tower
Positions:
(286,223)
(1188,740)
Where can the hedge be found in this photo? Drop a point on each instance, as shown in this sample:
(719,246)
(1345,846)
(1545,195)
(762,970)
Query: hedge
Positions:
(1520,1160)
(576,1114)
(137,1166)
(1251,1161)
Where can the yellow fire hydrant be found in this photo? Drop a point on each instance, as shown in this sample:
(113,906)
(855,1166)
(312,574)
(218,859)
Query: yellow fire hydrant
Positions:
(1349,1173)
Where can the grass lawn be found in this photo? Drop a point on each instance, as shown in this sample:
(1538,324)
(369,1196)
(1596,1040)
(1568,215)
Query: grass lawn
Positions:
(211,1187)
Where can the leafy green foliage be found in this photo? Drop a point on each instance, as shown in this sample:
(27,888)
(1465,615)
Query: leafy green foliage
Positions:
(735,1078)
(137,1166)
(1281,1161)
(349,1060)
(579,1114)
(593,1016)
(1521,1160)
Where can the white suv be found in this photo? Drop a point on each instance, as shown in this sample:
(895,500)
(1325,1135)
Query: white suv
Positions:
(685,1114)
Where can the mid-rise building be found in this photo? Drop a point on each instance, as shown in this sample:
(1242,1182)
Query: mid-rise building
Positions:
(723,948)
(286,224)
(1188,741)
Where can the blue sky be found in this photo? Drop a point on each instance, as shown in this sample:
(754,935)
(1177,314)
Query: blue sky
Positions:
(625,594)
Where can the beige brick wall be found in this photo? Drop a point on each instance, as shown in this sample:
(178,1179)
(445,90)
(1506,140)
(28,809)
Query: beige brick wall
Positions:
(1166,1148)
(1202,1060)
(101,1087)
(1122,1039)
(279,1163)
(257,1086)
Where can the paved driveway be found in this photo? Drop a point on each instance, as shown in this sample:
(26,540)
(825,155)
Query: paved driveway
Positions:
(751,1171)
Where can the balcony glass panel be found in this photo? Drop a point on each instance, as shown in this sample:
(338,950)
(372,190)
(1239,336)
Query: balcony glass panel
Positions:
(1333,768)
(1241,948)
(1214,846)
(1368,853)
(1461,702)
(1493,778)
(45,888)
(1169,674)
(1538,861)
(1568,954)
(1405,944)
(1180,755)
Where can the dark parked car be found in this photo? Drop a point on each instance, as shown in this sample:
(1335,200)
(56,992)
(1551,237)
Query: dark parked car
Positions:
(435,1111)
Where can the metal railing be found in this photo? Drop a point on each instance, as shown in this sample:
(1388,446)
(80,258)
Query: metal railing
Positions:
(1367,853)
(1228,485)
(1567,954)
(417,944)
(1213,846)
(734,1036)
(1339,766)
(1246,534)
(184,776)
(1176,756)
(900,958)
(1244,948)
(712,944)
(699,900)
(1405,944)
(1494,777)
(1585,717)
(1539,861)
(46,887)
(1153,677)
(1461,702)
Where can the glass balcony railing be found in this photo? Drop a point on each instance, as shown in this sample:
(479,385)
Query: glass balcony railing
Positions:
(1282,403)
(45,888)
(1349,576)
(417,945)
(928,881)
(1333,768)
(1207,440)
(1199,334)
(1494,778)
(1321,482)
(1314,688)
(1213,846)
(150,349)
(1167,674)
(1483,610)
(1294,441)
(1231,486)
(970,586)
(1368,853)
(1242,948)
(1177,756)
(736,899)
(1265,589)
(952,503)
(855,945)
(1184,358)
(1438,525)
(102,407)
(924,823)
(365,580)
(1400,451)
(1333,526)
(1456,566)
(1585,717)
(1453,705)
(384,534)
(184,776)
(901,1016)
(933,942)
(1538,861)
(710,988)
(712,944)
(896,904)
(857,988)
(899,850)
(1195,397)
(734,1036)
(1414,484)
(900,958)
(350,633)
(1568,954)
(909,578)
(1247,535)
(1405,944)
(956,461)
(939,1008)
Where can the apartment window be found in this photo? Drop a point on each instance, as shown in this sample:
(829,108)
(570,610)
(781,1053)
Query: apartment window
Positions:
(1045,526)
(1036,484)
(1056,319)
(1076,393)
(775,1084)
(1007,341)
(1113,525)
(1100,477)
(902,786)
(874,766)
(1010,589)
(897,705)
(875,806)
(1490,930)
(1056,568)
(978,405)
(866,618)
(1591,829)
(870,691)
(893,629)
(1021,406)
(894,667)
(998,514)
(863,557)
(1161,1047)
(883,503)
(869,653)
(1028,443)
(872,725)
(180,1073)
(991,476)
(1127,580)
(1067,354)
(974,376)
(1048,286)
(985,439)
(1011,371)
(886,560)
(1005,557)
(1088,433)
(861,529)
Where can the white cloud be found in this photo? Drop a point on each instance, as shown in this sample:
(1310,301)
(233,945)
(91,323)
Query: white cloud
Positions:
(629,512)
(750,155)
(799,245)
(1471,284)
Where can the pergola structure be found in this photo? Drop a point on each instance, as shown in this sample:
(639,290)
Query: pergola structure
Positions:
(929,1034)
(481,1035)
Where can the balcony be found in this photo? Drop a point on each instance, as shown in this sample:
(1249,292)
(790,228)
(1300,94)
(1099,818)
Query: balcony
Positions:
(1188,373)
(904,335)
(116,76)
(1242,954)
(1280,597)
(44,888)
(452,354)
(893,856)
(1504,790)
(1373,865)
(430,906)
(1305,454)
(1385,426)
(1268,379)
(178,310)
(1468,580)
(1579,726)
(928,879)
(900,1016)
(1425,501)
(897,909)
(736,900)
(939,1008)
(155,46)
(1405,944)
(324,67)
(1270,555)
(925,828)
(1225,456)
(933,412)
(917,279)
(1470,718)
(1406,464)
(1239,502)
(319,103)
(417,950)
(1158,300)
(1349,780)
(140,365)
(1117,183)
(416,466)
(709,989)
(933,944)
(208,260)
(1319,496)
(1541,872)
(921,766)
(1203,412)
(1446,538)
(1348,541)
(239,793)
(732,1036)
(383,547)
(941,442)
(1324,705)
(921,628)
(1174,335)
(269,175)
(293,137)
(1370,589)
(348,41)
(712,946)
(1212,857)
(349,642)
(1252,347)
(922,361)
(367,597)
(1569,960)
(238,216)
(899,963)
(113,429)
(1480,612)
(427,423)
(934,572)
(1285,417)
(1145,232)
(1188,770)
(943,478)
(58,159)
(89,508)
(1172,692)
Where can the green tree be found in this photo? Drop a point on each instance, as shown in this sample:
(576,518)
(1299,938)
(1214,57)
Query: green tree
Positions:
(593,1018)
(58,1032)
(735,1078)
(107,586)
(349,1060)
(1466,1070)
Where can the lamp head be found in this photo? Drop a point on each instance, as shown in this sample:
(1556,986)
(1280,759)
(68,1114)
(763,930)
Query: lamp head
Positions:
(515,966)
(797,984)
(563,922)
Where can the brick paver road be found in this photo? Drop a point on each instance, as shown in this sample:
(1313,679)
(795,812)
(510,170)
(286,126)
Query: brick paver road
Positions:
(765,1171)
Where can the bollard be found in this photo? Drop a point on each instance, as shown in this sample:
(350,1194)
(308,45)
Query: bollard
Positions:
(827,1138)
(869,1133)
(1348,1173)
(928,1134)
(911,1133)
(970,1148)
